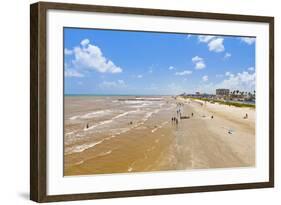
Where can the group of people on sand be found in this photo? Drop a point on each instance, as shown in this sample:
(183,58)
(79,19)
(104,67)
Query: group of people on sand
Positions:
(175,121)
(179,106)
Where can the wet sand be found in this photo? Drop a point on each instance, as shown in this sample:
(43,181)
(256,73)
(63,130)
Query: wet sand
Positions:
(157,144)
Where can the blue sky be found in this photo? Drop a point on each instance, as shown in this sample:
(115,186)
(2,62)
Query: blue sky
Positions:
(139,63)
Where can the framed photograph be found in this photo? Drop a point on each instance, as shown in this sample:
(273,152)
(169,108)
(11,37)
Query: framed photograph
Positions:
(134,102)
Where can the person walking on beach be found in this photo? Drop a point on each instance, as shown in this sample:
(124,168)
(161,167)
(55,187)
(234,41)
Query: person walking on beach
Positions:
(192,114)
(87,126)
(177,121)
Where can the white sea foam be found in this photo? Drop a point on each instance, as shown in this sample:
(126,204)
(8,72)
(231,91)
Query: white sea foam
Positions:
(81,148)
(155,129)
(71,138)
(80,162)
(162,104)
(149,114)
(141,127)
(105,153)
(74,117)
(123,130)
(97,124)
(93,114)
(111,120)
(126,129)
(124,114)
(139,106)
(69,133)
(159,127)
(149,99)
(117,132)
(133,101)
(96,114)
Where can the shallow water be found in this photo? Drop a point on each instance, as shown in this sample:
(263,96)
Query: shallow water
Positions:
(93,123)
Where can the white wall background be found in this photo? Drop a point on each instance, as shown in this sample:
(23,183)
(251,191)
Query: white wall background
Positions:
(14,103)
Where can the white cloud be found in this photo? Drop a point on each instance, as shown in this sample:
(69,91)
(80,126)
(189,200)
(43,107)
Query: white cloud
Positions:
(72,73)
(251,69)
(139,76)
(171,68)
(248,40)
(200,65)
(90,56)
(196,59)
(85,42)
(243,81)
(199,62)
(185,72)
(228,74)
(227,55)
(216,45)
(205,78)
(205,38)
(112,84)
(68,52)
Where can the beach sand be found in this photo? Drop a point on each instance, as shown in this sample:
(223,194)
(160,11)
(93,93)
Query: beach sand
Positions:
(145,139)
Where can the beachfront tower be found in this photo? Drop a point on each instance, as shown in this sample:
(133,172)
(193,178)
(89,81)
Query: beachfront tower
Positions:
(222,92)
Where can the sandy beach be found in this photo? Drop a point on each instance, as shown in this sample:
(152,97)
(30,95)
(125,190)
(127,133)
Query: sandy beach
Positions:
(106,135)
